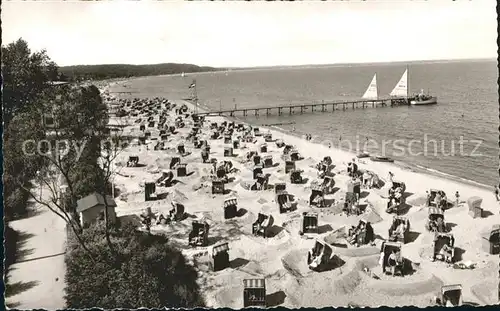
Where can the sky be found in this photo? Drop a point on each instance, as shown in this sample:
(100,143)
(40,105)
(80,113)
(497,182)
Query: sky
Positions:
(248,34)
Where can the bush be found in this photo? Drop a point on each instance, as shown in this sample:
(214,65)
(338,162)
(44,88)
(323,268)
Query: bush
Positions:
(147,272)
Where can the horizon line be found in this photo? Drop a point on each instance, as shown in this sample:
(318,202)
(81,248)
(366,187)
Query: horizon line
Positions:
(290,66)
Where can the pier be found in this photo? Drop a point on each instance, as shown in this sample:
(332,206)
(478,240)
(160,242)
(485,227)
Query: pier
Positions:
(312,107)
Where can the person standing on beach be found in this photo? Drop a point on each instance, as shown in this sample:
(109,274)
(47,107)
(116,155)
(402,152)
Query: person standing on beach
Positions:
(391,176)
(496,193)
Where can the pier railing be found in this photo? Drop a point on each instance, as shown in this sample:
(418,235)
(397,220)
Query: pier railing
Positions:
(312,107)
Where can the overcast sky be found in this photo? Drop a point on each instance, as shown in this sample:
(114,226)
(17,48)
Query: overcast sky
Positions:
(240,34)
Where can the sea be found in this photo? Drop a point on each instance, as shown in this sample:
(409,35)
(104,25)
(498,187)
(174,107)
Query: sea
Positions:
(457,138)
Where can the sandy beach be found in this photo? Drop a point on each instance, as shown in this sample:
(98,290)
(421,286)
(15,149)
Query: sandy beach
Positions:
(282,258)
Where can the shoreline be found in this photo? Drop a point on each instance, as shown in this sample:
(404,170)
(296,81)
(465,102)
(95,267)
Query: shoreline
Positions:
(406,166)
(397,165)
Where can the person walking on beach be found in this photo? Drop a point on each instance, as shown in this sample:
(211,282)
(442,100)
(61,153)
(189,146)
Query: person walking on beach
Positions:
(457,198)
(496,193)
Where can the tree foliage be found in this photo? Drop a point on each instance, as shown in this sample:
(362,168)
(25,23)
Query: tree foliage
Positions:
(25,75)
(100,72)
(149,272)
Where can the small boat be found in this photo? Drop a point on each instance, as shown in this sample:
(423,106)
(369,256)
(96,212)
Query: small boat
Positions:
(423,99)
(381,159)
(363,155)
(401,90)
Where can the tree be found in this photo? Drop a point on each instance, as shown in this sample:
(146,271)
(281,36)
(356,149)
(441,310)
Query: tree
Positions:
(151,273)
(80,119)
(25,75)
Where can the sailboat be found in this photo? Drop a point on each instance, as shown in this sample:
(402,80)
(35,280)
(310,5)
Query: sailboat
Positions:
(402,90)
(372,90)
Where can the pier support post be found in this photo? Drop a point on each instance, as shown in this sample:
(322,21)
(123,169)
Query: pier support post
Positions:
(352,106)
(244,113)
(267,111)
(279,111)
(312,108)
(363,105)
(301,109)
(291,110)
(256,112)
(323,107)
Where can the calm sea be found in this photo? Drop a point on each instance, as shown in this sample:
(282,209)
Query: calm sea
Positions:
(466,114)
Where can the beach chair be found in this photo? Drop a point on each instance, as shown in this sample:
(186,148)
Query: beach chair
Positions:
(165,179)
(395,265)
(256,171)
(181,169)
(236,144)
(147,134)
(361,234)
(451,294)
(490,240)
(289,166)
(435,221)
(181,149)
(150,191)
(262,225)
(295,155)
(230,208)
(254,293)
(227,139)
(399,230)
(219,259)
(328,184)
(199,234)
(177,212)
(268,137)
(256,159)
(151,124)
(263,148)
(228,151)
(218,186)
(317,196)
(174,162)
(268,161)
(284,202)
(295,176)
(133,161)
(474,204)
(142,127)
(309,222)
(444,247)
(279,187)
(320,257)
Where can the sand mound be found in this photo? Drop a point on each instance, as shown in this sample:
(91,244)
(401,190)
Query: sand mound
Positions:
(486,292)
(417,200)
(430,285)
(179,196)
(295,262)
(372,216)
(362,251)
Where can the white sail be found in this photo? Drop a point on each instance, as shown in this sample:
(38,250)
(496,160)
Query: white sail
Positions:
(372,90)
(401,89)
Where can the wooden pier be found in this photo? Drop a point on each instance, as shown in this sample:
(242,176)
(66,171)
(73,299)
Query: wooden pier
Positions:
(320,107)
